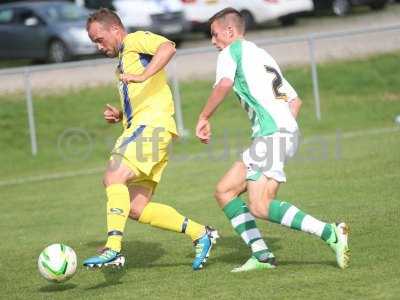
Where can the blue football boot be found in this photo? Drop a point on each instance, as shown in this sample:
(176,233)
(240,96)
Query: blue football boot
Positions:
(203,247)
(107,257)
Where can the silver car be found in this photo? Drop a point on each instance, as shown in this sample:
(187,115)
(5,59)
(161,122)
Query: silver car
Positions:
(44,31)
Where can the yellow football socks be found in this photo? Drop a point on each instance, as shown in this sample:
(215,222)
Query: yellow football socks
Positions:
(118,207)
(166,217)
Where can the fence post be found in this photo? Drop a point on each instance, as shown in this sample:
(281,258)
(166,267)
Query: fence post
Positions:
(177,101)
(31,117)
(314,74)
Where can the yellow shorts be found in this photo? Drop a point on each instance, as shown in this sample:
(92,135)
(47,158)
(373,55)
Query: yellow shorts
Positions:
(144,150)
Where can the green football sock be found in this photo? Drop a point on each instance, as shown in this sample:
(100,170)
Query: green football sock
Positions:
(245,225)
(286,214)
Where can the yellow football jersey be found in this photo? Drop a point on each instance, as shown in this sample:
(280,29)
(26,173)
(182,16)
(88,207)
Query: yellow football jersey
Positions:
(150,102)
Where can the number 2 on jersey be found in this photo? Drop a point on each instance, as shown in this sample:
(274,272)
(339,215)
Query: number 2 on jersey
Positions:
(276,83)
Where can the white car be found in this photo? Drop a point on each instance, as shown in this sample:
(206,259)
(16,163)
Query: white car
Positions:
(254,11)
(165,17)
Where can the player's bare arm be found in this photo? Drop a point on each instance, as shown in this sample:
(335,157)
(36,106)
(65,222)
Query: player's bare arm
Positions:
(112,114)
(160,59)
(295,106)
(218,94)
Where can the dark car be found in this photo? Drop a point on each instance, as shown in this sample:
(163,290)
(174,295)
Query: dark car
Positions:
(343,7)
(41,30)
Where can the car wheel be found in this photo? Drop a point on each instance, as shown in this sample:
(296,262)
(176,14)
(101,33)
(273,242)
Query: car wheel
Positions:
(378,5)
(248,19)
(341,7)
(57,52)
(288,20)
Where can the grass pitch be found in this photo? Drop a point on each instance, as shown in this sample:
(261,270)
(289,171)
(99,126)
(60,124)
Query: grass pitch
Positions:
(336,176)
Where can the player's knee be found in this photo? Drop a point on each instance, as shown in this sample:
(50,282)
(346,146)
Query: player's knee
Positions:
(221,194)
(226,192)
(217,195)
(110,179)
(223,197)
(115,177)
(104,181)
(258,209)
(107,180)
(135,213)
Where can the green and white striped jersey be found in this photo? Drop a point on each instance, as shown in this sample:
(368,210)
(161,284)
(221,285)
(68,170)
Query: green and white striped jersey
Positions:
(261,89)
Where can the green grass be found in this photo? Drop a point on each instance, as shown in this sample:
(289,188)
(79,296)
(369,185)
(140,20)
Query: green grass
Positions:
(353,179)
(14,63)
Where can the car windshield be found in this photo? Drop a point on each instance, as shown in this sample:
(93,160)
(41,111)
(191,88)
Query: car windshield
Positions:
(64,13)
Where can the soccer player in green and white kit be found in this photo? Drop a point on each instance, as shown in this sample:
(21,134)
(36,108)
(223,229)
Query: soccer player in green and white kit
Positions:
(272,106)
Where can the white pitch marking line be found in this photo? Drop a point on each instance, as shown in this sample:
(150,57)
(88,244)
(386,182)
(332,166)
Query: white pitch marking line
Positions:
(62,175)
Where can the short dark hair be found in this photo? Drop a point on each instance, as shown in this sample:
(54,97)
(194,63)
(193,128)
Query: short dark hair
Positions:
(104,16)
(234,16)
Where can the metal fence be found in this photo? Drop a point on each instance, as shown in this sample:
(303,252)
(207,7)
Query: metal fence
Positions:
(309,56)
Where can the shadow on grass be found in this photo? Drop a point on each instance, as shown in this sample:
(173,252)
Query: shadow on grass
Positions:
(143,254)
(331,263)
(57,287)
(236,251)
(112,276)
(139,254)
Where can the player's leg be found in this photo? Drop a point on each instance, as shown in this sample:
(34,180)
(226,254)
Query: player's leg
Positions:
(122,167)
(160,215)
(166,217)
(265,160)
(118,208)
(118,204)
(232,184)
(263,204)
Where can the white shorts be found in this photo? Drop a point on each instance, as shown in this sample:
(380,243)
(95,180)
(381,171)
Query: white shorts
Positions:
(268,155)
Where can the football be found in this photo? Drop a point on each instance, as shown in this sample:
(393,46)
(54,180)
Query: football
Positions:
(57,263)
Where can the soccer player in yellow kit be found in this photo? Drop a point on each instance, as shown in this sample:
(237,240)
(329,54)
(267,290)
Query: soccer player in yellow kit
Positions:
(140,154)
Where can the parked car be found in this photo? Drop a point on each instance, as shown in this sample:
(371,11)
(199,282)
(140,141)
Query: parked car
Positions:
(254,11)
(198,12)
(343,7)
(49,31)
(165,17)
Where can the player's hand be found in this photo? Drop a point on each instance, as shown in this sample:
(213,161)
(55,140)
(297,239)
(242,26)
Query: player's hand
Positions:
(127,78)
(203,131)
(112,114)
